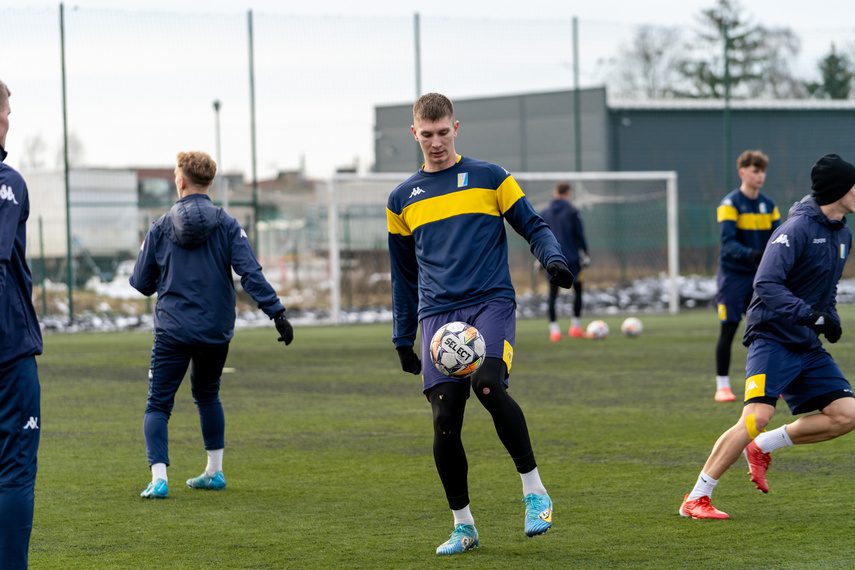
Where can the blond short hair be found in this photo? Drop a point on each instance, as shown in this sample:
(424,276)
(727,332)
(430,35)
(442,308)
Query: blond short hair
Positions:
(433,107)
(198,166)
(4,95)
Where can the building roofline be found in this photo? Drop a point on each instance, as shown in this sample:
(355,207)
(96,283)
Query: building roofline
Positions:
(738,104)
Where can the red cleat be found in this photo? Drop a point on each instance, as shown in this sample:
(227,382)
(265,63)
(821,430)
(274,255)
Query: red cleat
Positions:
(555,336)
(701,509)
(758,463)
(724,395)
(577,332)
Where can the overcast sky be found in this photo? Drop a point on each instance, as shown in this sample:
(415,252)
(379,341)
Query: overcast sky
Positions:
(817,14)
(820,21)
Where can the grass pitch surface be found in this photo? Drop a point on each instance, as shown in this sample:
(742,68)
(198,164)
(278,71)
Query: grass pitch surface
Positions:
(328,459)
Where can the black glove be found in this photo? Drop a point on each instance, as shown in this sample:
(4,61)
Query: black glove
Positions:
(756,255)
(560,273)
(823,323)
(286,331)
(409,361)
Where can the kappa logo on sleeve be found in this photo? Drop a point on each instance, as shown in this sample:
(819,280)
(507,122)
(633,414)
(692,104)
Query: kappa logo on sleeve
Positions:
(7,194)
(782,239)
(243,234)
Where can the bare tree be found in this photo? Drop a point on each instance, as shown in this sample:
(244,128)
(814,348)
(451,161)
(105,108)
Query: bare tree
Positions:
(778,49)
(647,67)
(32,154)
(76,152)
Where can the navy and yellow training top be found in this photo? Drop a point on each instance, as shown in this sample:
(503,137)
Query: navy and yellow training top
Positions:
(447,241)
(746,225)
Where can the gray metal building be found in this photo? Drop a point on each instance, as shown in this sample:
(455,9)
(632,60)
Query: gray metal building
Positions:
(535,132)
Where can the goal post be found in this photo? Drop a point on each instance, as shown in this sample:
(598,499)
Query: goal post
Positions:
(645,238)
(630,220)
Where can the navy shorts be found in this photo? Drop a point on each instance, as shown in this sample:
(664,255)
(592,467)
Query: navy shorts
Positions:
(495,319)
(808,381)
(734,294)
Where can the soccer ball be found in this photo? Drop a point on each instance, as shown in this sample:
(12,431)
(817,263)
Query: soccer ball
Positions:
(598,330)
(457,349)
(631,327)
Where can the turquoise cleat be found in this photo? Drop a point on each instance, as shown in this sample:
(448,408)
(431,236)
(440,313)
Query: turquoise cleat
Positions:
(464,538)
(538,514)
(215,482)
(156,490)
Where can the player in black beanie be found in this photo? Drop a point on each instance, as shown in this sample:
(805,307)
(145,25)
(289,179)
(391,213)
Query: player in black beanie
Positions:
(831,178)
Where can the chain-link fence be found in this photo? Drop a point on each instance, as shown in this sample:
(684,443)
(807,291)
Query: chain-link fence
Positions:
(297,98)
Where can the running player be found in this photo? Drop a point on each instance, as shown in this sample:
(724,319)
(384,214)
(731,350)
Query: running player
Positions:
(794,301)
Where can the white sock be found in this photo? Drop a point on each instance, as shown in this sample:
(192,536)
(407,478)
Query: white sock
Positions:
(215,461)
(463,516)
(553,327)
(769,441)
(722,382)
(158,471)
(532,484)
(704,487)
(575,322)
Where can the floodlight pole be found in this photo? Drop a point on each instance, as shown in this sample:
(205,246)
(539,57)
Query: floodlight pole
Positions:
(68,255)
(221,187)
(577,105)
(727,137)
(417,35)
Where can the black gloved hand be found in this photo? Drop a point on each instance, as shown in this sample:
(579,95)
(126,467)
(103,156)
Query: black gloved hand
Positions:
(824,323)
(286,331)
(560,273)
(756,255)
(409,361)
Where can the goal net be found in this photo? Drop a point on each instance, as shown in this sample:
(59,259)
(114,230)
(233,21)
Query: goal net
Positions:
(630,221)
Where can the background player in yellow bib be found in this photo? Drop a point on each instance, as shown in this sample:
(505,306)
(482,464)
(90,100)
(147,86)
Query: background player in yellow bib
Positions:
(746,218)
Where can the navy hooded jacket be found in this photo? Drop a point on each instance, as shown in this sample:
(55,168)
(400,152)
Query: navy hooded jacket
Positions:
(564,221)
(799,273)
(20,334)
(187,258)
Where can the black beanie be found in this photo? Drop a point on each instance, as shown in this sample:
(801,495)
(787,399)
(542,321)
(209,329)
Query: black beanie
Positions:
(831,178)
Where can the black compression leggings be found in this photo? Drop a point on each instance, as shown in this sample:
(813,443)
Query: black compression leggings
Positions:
(722,349)
(448,402)
(577,300)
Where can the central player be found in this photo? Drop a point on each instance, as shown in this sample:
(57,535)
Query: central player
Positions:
(449,258)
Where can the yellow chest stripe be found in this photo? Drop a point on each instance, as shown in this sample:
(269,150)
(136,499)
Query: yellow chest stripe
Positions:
(469,201)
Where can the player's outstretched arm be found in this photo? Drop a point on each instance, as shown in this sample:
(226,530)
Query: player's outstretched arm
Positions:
(560,274)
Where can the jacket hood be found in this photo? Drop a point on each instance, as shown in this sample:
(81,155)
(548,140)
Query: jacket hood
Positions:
(191,220)
(809,207)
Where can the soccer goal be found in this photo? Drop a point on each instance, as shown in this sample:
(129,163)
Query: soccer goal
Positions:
(630,221)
